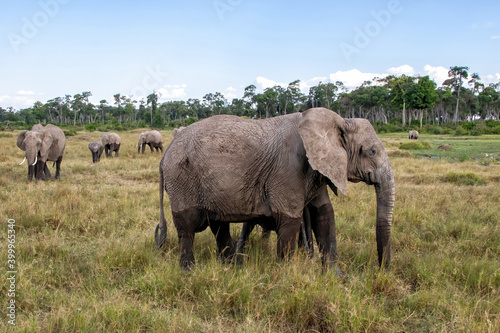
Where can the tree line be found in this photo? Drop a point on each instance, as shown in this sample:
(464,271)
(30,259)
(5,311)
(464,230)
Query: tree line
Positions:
(398,100)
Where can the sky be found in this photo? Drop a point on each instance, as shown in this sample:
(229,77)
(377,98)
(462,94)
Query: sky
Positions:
(186,49)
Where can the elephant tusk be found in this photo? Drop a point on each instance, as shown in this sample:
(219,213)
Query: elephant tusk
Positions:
(23,160)
(36,159)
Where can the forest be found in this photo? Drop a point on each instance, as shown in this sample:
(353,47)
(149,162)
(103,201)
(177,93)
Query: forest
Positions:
(392,103)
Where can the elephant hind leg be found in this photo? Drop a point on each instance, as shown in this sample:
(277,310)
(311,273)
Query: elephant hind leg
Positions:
(225,244)
(187,224)
(58,167)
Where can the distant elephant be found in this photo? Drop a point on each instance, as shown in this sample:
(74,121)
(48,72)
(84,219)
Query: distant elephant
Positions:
(96,148)
(111,143)
(151,138)
(413,135)
(42,144)
(229,169)
(177,130)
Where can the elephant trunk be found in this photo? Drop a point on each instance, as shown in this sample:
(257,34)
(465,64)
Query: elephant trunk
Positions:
(32,156)
(385,191)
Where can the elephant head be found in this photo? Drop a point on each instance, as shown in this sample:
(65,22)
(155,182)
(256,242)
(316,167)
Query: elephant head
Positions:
(96,148)
(349,150)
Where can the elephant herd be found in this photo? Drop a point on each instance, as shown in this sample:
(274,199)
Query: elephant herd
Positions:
(272,172)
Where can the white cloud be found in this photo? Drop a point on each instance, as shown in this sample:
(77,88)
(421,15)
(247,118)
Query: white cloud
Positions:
(404,69)
(230,93)
(25,92)
(491,78)
(264,83)
(353,78)
(438,74)
(17,102)
(495,37)
(173,91)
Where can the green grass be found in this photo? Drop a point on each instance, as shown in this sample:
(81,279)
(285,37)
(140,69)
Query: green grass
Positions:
(86,261)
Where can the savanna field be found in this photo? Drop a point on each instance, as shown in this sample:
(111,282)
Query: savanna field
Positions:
(86,261)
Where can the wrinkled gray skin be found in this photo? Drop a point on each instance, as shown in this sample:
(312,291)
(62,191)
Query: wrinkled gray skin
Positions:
(413,135)
(42,144)
(177,130)
(228,169)
(96,149)
(111,143)
(151,138)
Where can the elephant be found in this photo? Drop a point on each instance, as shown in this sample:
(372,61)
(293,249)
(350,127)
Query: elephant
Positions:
(42,144)
(177,130)
(305,238)
(227,169)
(111,143)
(151,138)
(413,135)
(96,148)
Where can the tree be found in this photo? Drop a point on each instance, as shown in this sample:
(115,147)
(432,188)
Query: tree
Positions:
(400,88)
(423,96)
(457,74)
(153,100)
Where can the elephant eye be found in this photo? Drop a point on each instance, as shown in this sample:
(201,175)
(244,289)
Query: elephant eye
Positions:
(373,151)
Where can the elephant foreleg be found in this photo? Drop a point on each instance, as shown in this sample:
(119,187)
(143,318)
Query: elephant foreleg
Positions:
(225,244)
(46,172)
(323,226)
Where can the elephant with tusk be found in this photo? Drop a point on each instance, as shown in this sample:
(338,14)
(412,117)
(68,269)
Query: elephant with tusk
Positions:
(42,144)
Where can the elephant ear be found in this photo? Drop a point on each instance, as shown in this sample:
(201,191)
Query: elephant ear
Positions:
(321,131)
(20,140)
(47,142)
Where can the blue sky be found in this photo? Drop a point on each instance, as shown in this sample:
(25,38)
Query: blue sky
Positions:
(187,49)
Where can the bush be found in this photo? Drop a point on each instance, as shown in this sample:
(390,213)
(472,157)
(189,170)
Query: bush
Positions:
(70,132)
(417,145)
(90,127)
(467,179)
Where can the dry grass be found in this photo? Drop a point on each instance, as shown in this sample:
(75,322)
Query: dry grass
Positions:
(86,261)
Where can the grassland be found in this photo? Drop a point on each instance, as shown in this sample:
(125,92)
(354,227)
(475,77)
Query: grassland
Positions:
(86,262)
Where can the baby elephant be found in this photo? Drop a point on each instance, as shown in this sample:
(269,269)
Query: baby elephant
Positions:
(111,143)
(151,138)
(413,135)
(96,148)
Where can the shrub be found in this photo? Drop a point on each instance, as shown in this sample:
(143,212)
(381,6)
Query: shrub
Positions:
(467,179)
(90,127)
(70,132)
(417,145)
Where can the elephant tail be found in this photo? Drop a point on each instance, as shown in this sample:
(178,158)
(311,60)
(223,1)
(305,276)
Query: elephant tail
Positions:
(162,226)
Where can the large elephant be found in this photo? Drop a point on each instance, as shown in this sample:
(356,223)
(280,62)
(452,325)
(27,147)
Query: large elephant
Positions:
(96,148)
(228,169)
(111,143)
(151,138)
(413,135)
(42,144)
